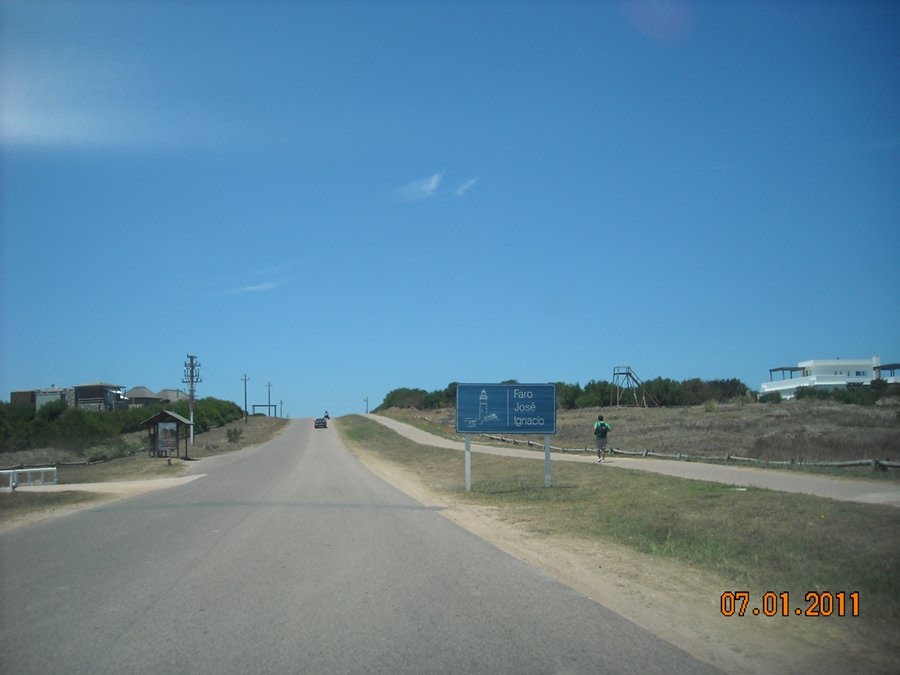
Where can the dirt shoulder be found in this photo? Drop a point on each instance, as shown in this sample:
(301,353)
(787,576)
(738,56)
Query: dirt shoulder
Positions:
(677,602)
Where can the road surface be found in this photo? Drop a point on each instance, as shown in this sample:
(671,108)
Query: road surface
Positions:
(292,557)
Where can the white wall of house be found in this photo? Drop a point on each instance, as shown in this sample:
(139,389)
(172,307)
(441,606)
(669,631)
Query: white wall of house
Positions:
(825,374)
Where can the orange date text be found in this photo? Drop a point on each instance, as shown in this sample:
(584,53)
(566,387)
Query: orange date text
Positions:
(815,603)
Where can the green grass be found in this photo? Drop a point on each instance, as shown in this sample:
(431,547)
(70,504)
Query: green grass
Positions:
(760,540)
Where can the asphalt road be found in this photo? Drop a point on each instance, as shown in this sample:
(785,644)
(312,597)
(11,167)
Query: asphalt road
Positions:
(292,557)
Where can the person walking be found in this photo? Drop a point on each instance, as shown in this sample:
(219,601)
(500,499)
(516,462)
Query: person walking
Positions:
(601,429)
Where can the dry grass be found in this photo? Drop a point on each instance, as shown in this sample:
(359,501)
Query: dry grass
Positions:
(793,430)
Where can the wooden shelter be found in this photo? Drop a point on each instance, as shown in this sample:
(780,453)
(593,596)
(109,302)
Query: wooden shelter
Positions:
(165,434)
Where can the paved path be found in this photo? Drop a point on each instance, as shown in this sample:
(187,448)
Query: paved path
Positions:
(867,492)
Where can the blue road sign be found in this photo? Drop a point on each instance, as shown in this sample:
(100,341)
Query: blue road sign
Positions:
(506,408)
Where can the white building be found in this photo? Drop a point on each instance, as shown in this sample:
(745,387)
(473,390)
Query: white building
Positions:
(828,374)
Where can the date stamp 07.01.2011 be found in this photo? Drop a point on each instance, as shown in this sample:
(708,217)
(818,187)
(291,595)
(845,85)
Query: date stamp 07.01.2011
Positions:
(815,603)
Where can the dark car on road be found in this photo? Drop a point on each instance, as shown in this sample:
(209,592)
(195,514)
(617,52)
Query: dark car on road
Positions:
(321,423)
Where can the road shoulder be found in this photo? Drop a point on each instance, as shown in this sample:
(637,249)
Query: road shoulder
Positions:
(677,602)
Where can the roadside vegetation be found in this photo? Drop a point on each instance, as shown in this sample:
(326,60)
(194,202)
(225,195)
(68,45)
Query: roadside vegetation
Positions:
(59,427)
(757,539)
(661,391)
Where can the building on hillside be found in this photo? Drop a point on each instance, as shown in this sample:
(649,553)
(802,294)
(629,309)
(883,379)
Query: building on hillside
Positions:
(100,396)
(36,398)
(172,395)
(22,397)
(140,396)
(827,374)
(49,395)
(888,372)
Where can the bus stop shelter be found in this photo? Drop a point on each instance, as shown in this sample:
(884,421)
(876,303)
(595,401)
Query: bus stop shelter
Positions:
(165,434)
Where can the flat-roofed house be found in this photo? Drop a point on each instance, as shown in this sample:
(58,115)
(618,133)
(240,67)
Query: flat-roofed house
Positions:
(825,374)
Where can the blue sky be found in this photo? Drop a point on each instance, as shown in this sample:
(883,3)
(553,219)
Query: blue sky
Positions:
(343,198)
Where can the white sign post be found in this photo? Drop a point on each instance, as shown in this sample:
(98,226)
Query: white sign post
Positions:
(546,461)
(468,462)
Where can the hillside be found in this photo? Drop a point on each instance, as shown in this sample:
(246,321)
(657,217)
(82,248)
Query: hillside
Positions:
(802,431)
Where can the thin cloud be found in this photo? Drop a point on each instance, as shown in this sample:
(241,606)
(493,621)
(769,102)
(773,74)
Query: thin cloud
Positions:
(90,106)
(661,20)
(75,106)
(260,288)
(419,189)
(465,187)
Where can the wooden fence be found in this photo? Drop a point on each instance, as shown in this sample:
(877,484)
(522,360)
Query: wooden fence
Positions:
(876,464)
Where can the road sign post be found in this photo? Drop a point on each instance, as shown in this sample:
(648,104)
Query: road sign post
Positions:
(468,462)
(506,409)
(547,480)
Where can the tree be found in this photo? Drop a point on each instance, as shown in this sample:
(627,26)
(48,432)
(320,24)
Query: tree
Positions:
(404,397)
(567,395)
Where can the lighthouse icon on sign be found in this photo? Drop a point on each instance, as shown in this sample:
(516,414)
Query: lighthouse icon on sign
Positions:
(466,407)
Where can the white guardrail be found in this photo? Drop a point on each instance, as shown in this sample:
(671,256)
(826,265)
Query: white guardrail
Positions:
(10,479)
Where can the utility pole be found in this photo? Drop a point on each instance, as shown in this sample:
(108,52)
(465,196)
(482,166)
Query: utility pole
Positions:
(246,379)
(281,408)
(366,399)
(269,409)
(191,377)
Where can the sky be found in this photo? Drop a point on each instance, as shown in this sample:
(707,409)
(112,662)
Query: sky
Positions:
(338,199)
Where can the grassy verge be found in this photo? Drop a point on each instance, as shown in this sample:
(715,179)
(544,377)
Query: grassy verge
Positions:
(760,540)
(801,432)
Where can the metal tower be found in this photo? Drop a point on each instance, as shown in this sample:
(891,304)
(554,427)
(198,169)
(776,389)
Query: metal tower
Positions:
(626,382)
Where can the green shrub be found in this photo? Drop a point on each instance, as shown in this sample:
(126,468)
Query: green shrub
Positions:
(770,397)
(77,429)
(106,451)
(234,435)
(57,426)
